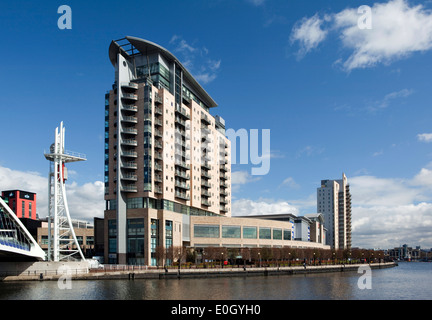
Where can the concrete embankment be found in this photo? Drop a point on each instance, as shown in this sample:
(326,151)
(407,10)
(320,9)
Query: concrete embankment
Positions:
(80,273)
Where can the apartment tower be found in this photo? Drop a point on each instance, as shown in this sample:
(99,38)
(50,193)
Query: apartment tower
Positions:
(334,202)
(166,157)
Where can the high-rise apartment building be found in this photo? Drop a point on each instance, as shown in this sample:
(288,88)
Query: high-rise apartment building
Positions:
(334,202)
(166,157)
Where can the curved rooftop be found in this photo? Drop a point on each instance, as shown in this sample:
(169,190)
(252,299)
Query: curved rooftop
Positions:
(146,47)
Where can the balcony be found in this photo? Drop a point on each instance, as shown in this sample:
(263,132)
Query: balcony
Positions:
(224,201)
(182,111)
(182,195)
(158,190)
(182,174)
(180,121)
(158,155)
(223,193)
(129,142)
(205,119)
(129,165)
(158,133)
(129,177)
(158,122)
(182,185)
(205,183)
(205,202)
(158,145)
(182,164)
(129,154)
(158,111)
(158,167)
(223,208)
(129,130)
(129,85)
(129,188)
(158,178)
(223,176)
(205,174)
(129,107)
(158,99)
(205,193)
(186,100)
(129,119)
(206,164)
(129,96)
(223,168)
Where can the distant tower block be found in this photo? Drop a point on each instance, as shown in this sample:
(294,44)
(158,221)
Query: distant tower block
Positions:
(62,241)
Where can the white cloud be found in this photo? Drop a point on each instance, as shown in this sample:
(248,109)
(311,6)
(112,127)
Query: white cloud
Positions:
(425,137)
(388,212)
(289,182)
(398,30)
(309,33)
(85,201)
(196,60)
(239,178)
(309,151)
(247,207)
(388,98)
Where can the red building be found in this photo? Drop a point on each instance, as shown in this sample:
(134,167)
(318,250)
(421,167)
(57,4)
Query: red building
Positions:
(22,203)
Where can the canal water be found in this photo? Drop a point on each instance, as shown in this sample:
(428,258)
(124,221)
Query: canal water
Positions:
(408,281)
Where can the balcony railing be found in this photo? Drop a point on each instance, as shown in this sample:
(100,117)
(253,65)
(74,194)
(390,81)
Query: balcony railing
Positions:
(130,119)
(129,165)
(129,177)
(129,188)
(205,174)
(182,174)
(128,153)
(129,142)
(158,99)
(182,164)
(182,195)
(182,112)
(129,130)
(182,185)
(129,96)
(129,107)
(129,85)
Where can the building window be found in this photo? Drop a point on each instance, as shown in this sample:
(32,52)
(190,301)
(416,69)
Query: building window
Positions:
(112,237)
(206,231)
(231,232)
(286,234)
(277,234)
(134,203)
(154,241)
(135,241)
(249,232)
(90,240)
(264,233)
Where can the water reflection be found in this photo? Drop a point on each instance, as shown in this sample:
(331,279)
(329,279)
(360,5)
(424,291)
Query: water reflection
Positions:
(408,281)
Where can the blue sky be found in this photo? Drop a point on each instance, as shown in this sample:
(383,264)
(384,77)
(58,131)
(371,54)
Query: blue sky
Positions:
(336,98)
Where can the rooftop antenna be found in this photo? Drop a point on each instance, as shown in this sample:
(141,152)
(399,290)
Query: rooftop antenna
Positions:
(62,241)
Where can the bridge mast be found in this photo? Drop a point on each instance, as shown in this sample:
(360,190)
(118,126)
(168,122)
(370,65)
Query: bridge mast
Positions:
(62,238)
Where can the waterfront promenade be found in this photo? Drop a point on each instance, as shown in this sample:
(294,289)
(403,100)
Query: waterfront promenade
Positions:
(142,272)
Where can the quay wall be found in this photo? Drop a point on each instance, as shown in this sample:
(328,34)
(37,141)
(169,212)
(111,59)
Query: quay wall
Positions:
(78,271)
